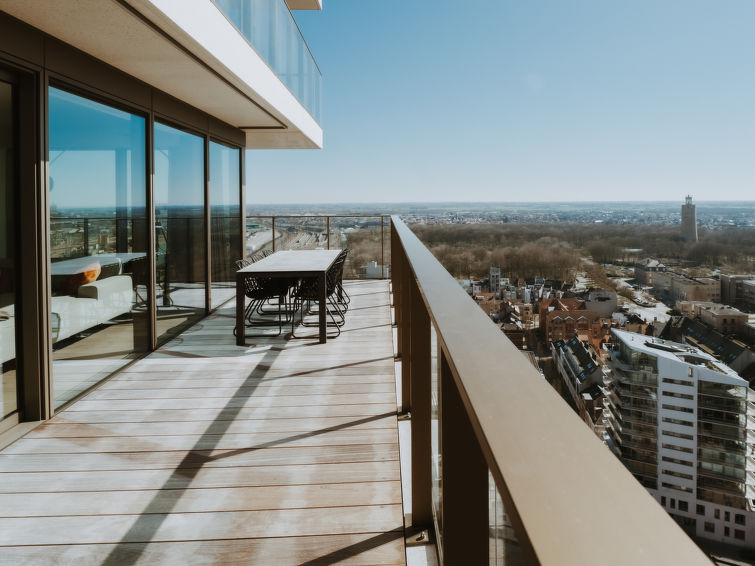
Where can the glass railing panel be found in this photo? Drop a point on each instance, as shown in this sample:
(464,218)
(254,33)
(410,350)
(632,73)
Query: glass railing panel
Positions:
(366,242)
(258,235)
(271,29)
(504,546)
(301,233)
(436,470)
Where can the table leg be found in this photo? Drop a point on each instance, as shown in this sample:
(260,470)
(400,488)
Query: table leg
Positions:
(240,328)
(322,289)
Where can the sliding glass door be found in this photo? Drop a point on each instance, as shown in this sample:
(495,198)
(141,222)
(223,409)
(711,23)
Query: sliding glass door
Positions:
(98,241)
(225,220)
(180,246)
(8,246)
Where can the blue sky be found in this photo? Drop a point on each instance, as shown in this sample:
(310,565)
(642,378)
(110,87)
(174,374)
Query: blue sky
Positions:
(525,100)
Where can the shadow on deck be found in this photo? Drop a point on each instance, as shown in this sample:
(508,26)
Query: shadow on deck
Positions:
(280,452)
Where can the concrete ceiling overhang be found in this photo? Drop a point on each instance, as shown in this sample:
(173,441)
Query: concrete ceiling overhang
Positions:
(188,49)
(304,4)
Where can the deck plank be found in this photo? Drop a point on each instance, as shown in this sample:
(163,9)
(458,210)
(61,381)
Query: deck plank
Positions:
(279,452)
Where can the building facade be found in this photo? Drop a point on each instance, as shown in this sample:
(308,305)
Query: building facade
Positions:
(680,422)
(122,175)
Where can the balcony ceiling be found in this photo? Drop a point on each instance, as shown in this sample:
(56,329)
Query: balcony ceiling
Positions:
(304,4)
(141,39)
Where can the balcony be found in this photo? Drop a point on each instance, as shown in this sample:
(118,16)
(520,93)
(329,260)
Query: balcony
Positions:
(287,451)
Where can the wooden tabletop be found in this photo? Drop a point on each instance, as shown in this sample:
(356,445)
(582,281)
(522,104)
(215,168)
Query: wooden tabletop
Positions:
(294,262)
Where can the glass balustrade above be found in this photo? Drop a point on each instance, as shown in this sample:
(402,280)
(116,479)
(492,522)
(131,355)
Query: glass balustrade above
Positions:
(272,31)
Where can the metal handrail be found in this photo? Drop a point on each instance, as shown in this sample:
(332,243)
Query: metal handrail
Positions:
(569,499)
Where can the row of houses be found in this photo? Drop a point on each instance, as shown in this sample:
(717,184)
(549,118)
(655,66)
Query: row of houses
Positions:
(732,290)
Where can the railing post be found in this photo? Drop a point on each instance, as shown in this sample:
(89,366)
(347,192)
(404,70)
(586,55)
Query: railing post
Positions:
(420,363)
(273,234)
(328,233)
(464,480)
(382,247)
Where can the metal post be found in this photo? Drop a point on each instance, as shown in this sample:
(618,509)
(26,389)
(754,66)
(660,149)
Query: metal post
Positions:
(464,481)
(328,235)
(273,234)
(420,402)
(86,236)
(382,247)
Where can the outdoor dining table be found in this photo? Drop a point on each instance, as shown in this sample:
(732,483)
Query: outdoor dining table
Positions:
(297,264)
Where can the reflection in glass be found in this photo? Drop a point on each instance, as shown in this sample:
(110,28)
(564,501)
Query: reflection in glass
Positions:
(98,241)
(225,220)
(436,470)
(8,395)
(179,230)
(504,546)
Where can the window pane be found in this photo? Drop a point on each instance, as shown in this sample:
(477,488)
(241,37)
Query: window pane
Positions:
(98,241)
(8,395)
(225,221)
(179,230)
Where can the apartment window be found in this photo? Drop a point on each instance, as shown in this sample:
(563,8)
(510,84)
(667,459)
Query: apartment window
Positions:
(678,434)
(98,241)
(690,372)
(663,500)
(739,534)
(677,382)
(179,230)
(673,503)
(726,532)
(678,395)
(679,448)
(683,505)
(677,474)
(739,519)
(717,513)
(709,527)
(680,409)
(676,421)
(727,516)
(225,220)
(700,510)
(677,487)
(677,461)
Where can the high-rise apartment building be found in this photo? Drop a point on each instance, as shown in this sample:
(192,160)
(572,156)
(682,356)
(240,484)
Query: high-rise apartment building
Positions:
(682,423)
(689,220)
(495,279)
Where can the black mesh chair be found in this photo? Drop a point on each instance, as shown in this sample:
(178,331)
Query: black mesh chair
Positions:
(343,297)
(309,290)
(261,290)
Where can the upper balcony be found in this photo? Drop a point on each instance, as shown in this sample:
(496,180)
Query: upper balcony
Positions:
(271,29)
(243,62)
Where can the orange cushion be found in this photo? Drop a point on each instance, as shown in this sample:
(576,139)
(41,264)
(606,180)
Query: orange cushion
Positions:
(85,275)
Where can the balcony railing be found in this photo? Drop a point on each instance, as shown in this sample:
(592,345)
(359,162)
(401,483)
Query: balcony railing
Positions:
(272,31)
(561,496)
(366,237)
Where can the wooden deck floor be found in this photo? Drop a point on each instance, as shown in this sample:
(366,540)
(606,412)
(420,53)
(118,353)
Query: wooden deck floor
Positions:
(283,452)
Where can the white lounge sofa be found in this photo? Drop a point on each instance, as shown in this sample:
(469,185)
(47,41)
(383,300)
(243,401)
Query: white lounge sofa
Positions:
(94,303)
